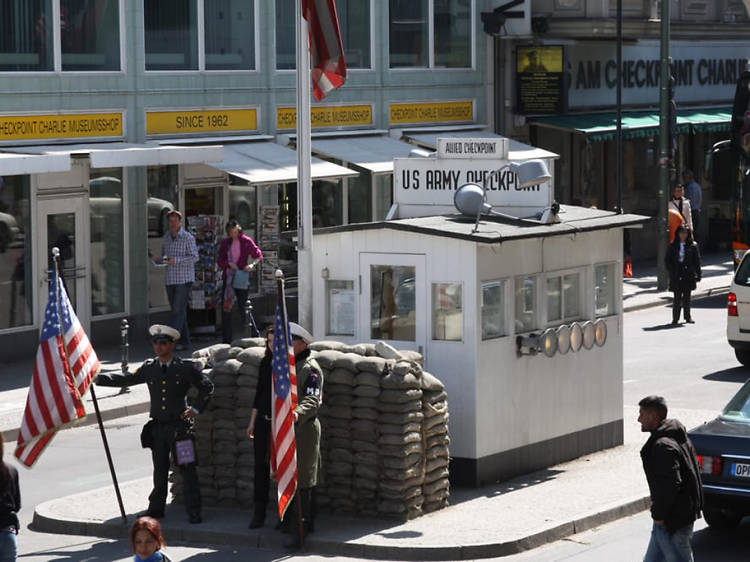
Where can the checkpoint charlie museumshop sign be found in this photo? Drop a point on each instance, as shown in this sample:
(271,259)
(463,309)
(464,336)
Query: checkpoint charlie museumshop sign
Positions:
(433,181)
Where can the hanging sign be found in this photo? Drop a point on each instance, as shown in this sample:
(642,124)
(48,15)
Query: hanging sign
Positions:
(540,84)
(473,149)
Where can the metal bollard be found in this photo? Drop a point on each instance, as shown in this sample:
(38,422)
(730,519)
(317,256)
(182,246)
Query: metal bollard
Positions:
(251,330)
(124,349)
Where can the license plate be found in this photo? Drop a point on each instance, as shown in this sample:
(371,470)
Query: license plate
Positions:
(741,470)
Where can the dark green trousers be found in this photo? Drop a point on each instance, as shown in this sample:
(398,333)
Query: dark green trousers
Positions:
(164,433)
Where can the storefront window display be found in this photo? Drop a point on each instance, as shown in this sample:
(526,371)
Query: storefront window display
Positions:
(162,198)
(90,35)
(106,191)
(26,36)
(171,28)
(15,253)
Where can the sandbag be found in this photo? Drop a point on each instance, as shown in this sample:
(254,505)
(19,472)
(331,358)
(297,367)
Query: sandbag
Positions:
(340,455)
(249,380)
(431,383)
(348,361)
(368,379)
(435,486)
(408,417)
(440,473)
(387,351)
(365,414)
(402,450)
(340,412)
(372,365)
(223,379)
(394,381)
(394,439)
(333,389)
(252,355)
(327,358)
(388,407)
(364,402)
(437,451)
(400,396)
(327,345)
(399,429)
(435,420)
(340,376)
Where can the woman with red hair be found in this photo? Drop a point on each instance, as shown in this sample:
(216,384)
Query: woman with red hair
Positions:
(147,541)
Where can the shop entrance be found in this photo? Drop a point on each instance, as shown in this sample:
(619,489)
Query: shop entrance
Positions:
(62,224)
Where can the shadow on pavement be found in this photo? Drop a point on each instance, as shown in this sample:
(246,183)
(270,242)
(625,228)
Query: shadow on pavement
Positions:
(719,301)
(735,374)
(97,552)
(667,326)
(460,495)
(711,544)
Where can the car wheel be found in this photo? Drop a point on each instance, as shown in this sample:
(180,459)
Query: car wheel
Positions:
(743,356)
(721,519)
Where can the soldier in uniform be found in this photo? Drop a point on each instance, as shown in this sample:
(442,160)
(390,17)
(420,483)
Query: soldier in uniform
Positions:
(168,378)
(306,429)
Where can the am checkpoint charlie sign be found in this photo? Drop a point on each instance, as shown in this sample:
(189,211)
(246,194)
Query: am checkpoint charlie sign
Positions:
(433,181)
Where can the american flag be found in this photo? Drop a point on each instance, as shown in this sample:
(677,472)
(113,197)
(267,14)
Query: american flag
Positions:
(328,66)
(283,402)
(64,367)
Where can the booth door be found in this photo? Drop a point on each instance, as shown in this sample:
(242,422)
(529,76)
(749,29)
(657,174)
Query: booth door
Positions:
(393,299)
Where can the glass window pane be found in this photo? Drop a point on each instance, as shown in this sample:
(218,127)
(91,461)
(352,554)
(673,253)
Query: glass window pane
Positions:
(340,301)
(383,195)
(286,32)
(107,248)
(61,234)
(328,203)
(452,19)
(242,208)
(171,34)
(393,302)
(230,34)
(570,296)
(554,299)
(162,198)
(525,304)
(25,35)
(354,23)
(360,198)
(493,309)
(409,34)
(90,34)
(604,289)
(15,253)
(447,312)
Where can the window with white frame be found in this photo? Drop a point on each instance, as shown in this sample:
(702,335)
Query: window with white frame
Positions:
(447,312)
(430,33)
(525,320)
(563,297)
(177,39)
(340,305)
(604,289)
(493,309)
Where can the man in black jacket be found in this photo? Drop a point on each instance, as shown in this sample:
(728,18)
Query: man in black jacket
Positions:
(671,467)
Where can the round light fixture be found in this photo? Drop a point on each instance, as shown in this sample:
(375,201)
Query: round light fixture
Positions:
(548,342)
(576,336)
(589,334)
(563,339)
(601,332)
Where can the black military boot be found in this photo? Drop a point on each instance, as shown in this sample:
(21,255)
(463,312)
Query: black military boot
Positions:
(259,517)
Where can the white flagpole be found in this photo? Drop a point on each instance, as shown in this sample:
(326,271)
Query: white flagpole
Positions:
(304,180)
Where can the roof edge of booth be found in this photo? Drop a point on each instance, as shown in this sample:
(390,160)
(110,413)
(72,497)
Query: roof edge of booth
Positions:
(225,139)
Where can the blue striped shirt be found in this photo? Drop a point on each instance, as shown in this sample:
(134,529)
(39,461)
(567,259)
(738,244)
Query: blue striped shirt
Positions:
(185,253)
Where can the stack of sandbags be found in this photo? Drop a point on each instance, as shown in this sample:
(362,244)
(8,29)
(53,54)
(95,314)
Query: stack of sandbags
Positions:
(400,443)
(436,487)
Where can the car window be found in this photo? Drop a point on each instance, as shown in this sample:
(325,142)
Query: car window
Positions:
(738,408)
(742,277)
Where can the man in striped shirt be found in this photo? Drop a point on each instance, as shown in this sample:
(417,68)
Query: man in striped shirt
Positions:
(180,253)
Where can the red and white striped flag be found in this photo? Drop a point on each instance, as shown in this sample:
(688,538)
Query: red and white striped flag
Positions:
(64,368)
(283,403)
(328,67)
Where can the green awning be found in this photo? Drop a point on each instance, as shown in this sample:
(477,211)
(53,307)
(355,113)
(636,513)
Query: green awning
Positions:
(602,126)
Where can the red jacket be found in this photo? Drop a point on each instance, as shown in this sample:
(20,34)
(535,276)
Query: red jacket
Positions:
(248,249)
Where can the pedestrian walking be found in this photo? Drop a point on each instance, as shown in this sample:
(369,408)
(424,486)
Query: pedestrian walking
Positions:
(10,505)
(694,194)
(238,255)
(147,541)
(684,266)
(180,253)
(259,430)
(671,467)
(169,378)
(682,206)
(306,430)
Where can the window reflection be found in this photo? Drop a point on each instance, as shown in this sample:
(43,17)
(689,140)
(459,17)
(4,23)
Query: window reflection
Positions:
(90,34)
(106,191)
(393,302)
(15,253)
(230,35)
(447,312)
(25,35)
(162,198)
(171,28)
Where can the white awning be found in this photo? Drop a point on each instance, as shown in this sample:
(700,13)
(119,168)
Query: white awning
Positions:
(374,153)
(517,150)
(121,154)
(15,164)
(268,162)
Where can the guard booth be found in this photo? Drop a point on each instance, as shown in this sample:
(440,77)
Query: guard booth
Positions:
(521,319)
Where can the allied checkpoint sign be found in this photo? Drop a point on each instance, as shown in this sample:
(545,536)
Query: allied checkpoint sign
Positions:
(432,182)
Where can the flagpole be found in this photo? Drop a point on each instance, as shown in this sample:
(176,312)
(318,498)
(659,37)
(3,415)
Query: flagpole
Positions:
(56,269)
(304,176)
(285,324)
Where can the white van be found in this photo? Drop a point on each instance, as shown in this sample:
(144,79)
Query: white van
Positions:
(738,312)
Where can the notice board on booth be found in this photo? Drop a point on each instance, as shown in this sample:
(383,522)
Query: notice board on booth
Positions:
(540,80)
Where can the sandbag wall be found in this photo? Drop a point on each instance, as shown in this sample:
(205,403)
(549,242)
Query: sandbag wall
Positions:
(384,443)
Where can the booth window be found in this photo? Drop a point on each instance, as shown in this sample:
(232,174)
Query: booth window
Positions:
(354,24)
(162,198)
(604,289)
(15,253)
(106,190)
(90,35)
(493,309)
(447,312)
(340,304)
(412,32)
(393,303)
(563,302)
(525,304)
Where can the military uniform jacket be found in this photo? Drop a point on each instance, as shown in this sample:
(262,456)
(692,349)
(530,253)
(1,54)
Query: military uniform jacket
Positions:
(307,428)
(168,390)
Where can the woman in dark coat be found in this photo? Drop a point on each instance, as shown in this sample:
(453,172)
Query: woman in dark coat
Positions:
(259,430)
(10,505)
(684,266)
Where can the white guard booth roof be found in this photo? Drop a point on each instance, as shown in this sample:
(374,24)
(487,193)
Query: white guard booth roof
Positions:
(121,154)
(15,164)
(374,153)
(269,163)
(516,150)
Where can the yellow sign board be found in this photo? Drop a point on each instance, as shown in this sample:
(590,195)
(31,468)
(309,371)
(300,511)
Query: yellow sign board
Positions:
(201,121)
(326,116)
(431,112)
(70,126)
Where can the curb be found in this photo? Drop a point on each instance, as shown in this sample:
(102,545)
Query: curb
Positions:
(46,522)
(696,296)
